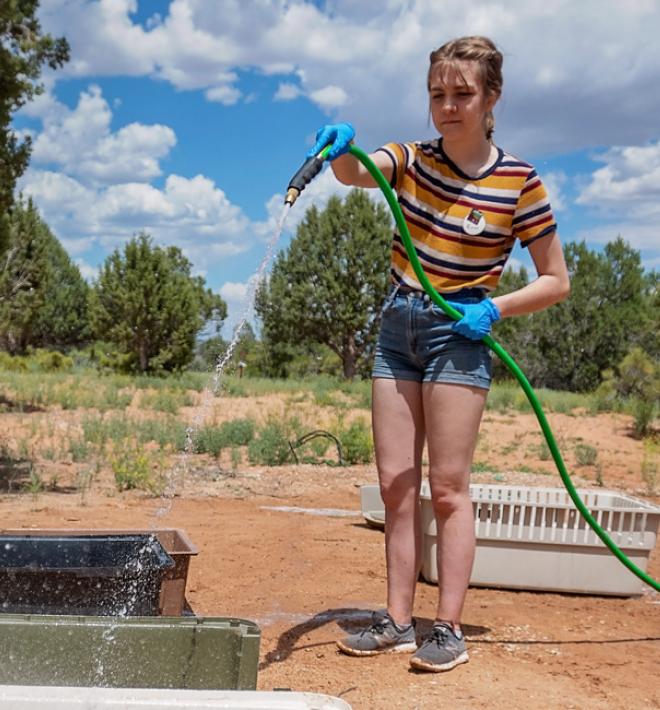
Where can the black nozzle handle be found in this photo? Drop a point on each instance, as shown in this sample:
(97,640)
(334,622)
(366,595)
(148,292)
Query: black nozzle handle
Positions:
(309,170)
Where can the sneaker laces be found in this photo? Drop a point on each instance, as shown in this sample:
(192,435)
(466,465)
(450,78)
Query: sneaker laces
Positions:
(380,621)
(440,634)
(378,624)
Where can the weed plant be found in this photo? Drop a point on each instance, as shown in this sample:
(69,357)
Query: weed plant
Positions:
(35,484)
(585,455)
(213,439)
(643,412)
(166,400)
(544,452)
(356,443)
(483,467)
(168,433)
(507,396)
(238,432)
(209,440)
(134,468)
(271,446)
(650,467)
(80,450)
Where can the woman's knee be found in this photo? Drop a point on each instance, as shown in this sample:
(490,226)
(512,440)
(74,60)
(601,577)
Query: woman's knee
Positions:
(400,489)
(447,498)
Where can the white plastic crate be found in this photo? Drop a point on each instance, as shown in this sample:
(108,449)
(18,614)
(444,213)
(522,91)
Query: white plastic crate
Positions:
(535,538)
(24,697)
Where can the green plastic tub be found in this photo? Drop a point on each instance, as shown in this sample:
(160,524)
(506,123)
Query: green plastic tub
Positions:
(129,652)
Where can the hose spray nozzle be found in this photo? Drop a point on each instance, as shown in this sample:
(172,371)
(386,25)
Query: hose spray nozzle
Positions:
(308,171)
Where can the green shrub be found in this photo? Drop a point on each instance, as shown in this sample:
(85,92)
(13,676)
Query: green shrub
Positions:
(501,397)
(356,443)
(605,398)
(79,450)
(209,440)
(650,467)
(544,451)
(134,469)
(586,455)
(271,447)
(237,432)
(51,361)
(643,412)
(11,363)
(319,445)
(639,376)
(36,484)
(166,400)
(169,432)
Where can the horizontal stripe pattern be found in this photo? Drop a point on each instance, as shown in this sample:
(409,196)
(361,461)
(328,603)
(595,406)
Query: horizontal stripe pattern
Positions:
(435,198)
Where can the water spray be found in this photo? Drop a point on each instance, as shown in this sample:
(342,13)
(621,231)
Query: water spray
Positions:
(310,168)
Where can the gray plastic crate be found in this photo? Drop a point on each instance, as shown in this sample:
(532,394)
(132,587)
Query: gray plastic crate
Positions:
(535,538)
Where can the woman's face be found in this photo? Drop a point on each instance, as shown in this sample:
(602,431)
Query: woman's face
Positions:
(459,103)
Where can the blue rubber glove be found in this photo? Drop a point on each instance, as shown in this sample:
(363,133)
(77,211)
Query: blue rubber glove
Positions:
(339,135)
(477,319)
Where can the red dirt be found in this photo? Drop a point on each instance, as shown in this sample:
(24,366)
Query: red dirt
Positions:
(306,579)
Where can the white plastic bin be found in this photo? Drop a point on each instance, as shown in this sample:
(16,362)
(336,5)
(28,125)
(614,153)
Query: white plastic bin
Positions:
(24,697)
(535,538)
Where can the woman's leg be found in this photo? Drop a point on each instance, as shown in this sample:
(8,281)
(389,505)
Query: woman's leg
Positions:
(452,413)
(398,425)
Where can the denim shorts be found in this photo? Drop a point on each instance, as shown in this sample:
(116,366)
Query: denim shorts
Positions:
(416,342)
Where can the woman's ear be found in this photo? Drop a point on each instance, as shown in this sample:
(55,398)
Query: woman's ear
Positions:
(491,100)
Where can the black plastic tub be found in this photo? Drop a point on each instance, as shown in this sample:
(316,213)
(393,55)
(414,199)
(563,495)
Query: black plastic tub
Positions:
(87,575)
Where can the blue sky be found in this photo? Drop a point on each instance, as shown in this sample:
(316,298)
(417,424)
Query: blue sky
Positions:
(187,118)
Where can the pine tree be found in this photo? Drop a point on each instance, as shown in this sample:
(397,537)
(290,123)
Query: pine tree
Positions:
(328,286)
(150,307)
(43,297)
(23,52)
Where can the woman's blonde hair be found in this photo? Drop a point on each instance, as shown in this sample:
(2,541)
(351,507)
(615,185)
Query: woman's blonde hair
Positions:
(473,49)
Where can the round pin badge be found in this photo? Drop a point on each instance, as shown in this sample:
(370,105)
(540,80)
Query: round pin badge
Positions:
(474,223)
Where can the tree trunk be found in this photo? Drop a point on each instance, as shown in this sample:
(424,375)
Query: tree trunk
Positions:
(349,358)
(142,354)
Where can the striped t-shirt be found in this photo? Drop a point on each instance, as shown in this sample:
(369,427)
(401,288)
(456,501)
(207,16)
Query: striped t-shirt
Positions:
(436,197)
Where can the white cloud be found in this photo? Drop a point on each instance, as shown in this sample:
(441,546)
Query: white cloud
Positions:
(329,97)
(287,92)
(88,272)
(638,234)
(192,213)
(555,182)
(227,95)
(234,292)
(628,184)
(240,308)
(81,143)
(630,177)
(576,74)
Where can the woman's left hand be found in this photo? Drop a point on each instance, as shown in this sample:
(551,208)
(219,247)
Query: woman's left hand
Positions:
(477,320)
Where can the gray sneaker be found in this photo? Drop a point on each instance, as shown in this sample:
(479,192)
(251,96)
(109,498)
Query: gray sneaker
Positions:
(382,636)
(441,651)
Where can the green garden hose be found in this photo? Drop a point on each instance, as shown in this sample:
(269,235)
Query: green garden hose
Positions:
(306,173)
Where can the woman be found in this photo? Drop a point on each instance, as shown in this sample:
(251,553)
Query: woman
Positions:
(465,201)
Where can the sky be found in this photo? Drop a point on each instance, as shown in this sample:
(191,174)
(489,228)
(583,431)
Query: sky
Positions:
(187,118)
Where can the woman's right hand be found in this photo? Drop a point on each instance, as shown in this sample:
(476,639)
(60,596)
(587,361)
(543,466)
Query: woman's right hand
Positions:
(339,135)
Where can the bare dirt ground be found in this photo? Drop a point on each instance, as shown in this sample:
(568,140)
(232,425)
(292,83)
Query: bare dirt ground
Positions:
(308,578)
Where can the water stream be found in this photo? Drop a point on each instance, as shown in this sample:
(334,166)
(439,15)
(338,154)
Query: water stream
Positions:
(176,477)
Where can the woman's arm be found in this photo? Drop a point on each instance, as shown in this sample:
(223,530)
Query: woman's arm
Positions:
(350,171)
(551,286)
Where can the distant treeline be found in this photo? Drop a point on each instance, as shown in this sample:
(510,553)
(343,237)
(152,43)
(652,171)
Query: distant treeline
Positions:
(318,312)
